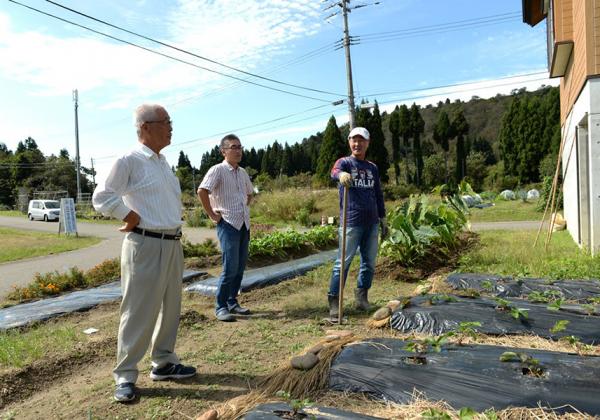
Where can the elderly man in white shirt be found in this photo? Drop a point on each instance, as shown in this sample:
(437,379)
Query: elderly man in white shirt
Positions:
(142,191)
(225,194)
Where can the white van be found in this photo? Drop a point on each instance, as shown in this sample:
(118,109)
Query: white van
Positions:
(43,210)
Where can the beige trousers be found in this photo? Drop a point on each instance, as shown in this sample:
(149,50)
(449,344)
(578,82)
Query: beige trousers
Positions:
(151,274)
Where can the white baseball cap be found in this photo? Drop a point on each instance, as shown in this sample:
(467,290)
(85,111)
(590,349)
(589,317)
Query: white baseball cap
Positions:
(359,131)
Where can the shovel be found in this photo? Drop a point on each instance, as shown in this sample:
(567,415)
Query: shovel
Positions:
(343,256)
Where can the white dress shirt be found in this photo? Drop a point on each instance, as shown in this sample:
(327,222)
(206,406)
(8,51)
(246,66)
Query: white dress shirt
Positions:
(141,181)
(229,189)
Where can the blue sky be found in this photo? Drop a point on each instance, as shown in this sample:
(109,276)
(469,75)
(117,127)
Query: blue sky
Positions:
(482,47)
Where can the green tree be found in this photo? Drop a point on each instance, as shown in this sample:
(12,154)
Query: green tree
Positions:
(442,133)
(405,130)
(332,148)
(460,128)
(377,151)
(418,127)
(7,183)
(433,170)
(394,127)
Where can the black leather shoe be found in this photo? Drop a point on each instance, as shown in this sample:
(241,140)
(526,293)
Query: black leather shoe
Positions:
(125,392)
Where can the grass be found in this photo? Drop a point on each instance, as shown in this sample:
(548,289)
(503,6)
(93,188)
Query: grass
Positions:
(18,348)
(505,211)
(19,244)
(12,213)
(512,253)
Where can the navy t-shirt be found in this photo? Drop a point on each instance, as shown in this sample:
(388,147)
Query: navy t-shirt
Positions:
(365,199)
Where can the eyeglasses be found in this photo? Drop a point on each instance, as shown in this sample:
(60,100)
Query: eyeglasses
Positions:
(166,120)
(234,147)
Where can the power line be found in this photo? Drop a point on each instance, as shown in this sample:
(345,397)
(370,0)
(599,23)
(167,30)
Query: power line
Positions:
(456,84)
(165,55)
(189,52)
(366,40)
(254,125)
(447,24)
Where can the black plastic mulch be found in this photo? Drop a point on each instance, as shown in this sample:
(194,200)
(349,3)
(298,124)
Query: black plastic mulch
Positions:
(81,300)
(267,276)
(468,376)
(443,316)
(272,411)
(507,286)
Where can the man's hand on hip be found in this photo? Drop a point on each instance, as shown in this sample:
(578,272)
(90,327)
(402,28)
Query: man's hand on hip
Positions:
(216,217)
(131,220)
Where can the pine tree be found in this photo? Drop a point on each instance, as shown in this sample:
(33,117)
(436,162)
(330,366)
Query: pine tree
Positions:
(418,127)
(332,148)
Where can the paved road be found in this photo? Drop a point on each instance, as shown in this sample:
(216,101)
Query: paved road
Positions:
(21,272)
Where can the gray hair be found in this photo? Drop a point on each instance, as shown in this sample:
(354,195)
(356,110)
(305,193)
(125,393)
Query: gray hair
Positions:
(228,137)
(145,113)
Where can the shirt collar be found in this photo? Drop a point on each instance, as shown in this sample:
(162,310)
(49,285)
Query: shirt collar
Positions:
(229,166)
(149,153)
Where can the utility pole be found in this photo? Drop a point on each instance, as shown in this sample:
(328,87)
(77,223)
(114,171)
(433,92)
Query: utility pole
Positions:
(351,110)
(347,41)
(75,98)
(93,174)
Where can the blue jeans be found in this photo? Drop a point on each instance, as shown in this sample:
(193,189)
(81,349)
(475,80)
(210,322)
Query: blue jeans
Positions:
(234,250)
(365,238)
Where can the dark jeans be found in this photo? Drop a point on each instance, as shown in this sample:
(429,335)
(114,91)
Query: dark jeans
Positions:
(234,249)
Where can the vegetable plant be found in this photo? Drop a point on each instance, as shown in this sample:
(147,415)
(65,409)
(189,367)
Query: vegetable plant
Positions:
(529,365)
(295,404)
(466,329)
(559,326)
(556,305)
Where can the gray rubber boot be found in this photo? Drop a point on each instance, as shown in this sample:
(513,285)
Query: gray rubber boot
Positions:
(361,298)
(334,306)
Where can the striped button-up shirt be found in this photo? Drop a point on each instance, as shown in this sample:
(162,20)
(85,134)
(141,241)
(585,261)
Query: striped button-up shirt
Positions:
(141,181)
(229,189)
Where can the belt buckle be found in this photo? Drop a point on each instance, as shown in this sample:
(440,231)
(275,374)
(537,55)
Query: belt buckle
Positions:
(177,235)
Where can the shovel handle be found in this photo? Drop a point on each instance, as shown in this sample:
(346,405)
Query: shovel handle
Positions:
(343,256)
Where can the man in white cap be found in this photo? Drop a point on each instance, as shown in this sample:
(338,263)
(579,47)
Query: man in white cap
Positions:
(364,215)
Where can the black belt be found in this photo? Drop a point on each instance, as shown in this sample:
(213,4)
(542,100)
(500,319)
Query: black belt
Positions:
(158,235)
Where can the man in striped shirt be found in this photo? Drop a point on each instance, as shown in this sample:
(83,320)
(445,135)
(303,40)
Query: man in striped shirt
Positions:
(142,191)
(225,194)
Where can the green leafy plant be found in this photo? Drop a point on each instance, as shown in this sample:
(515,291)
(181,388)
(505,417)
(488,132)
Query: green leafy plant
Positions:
(544,296)
(467,413)
(529,365)
(203,249)
(571,339)
(559,326)
(435,414)
(466,329)
(502,304)
(556,305)
(434,299)
(418,226)
(487,285)
(471,293)
(296,405)
(519,313)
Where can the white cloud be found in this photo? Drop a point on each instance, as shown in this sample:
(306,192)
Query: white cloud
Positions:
(241,34)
